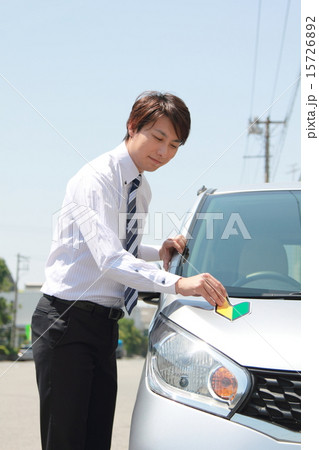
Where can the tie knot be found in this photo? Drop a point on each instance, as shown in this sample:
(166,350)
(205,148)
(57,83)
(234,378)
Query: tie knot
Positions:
(136,183)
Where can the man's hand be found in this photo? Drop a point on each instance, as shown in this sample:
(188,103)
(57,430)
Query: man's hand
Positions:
(169,247)
(204,285)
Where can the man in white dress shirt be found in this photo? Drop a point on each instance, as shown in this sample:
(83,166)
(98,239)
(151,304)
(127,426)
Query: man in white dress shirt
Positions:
(75,329)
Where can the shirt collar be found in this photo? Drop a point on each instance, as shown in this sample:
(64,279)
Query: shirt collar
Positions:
(129,170)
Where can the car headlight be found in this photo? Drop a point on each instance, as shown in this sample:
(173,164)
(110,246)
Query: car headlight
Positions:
(186,369)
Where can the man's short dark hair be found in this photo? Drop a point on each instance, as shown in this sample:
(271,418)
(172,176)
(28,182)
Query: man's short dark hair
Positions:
(151,105)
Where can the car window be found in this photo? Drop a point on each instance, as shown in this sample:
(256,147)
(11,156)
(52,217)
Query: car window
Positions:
(249,241)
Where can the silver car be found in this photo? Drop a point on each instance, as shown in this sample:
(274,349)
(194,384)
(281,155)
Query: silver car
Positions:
(229,377)
(25,353)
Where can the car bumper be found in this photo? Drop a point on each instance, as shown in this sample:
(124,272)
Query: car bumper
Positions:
(159,423)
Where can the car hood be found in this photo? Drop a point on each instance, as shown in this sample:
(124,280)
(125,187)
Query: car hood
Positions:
(268,337)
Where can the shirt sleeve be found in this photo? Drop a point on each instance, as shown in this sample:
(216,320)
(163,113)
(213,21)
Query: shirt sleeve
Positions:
(149,252)
(98,230)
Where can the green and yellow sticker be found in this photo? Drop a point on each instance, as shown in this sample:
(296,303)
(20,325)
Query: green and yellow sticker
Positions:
(233,312)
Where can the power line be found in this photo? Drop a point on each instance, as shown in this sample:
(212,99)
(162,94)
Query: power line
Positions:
(285,128)
(255,58)
(280,52)
(254,125)
(292,103)
(253,84)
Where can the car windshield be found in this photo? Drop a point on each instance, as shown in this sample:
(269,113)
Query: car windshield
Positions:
(249,241)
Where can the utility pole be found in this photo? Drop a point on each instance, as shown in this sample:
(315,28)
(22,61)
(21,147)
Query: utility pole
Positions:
(294,169)
(255,129)
(25,260)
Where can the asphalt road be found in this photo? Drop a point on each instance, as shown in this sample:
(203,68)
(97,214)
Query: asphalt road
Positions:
(19,404)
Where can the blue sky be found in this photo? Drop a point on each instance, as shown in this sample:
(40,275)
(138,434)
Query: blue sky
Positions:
(70,72)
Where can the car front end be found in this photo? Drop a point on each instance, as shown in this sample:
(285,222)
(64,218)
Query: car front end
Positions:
(229,377)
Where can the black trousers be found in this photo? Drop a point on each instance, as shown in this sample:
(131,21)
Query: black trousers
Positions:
(74,354)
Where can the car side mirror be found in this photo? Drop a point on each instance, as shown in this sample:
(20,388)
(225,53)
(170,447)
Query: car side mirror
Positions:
(151,298)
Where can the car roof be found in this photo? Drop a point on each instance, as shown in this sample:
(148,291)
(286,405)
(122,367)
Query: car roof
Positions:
(253,188)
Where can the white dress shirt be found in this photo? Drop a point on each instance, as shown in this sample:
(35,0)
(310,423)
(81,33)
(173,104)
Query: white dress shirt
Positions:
(87,260)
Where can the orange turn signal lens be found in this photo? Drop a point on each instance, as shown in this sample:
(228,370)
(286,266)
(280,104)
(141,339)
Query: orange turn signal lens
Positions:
(224,383)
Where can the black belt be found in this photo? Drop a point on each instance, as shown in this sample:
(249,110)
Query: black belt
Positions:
(111,313)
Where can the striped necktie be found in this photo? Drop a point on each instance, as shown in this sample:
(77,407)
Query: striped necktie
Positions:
(131,294)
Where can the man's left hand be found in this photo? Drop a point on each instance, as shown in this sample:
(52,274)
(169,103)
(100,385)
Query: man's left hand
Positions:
(169,247)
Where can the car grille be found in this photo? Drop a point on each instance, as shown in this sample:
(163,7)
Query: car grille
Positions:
(276,398)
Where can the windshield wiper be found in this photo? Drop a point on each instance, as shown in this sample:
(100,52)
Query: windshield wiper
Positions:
(295,295)
(288,295)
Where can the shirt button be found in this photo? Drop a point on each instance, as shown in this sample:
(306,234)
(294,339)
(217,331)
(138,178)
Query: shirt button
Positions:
(163,281)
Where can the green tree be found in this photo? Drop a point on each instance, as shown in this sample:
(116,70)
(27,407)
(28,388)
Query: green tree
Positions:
(5,321)
(6,285)
(6,280)
(135,343)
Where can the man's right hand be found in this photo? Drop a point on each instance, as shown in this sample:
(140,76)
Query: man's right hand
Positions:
(204,285)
